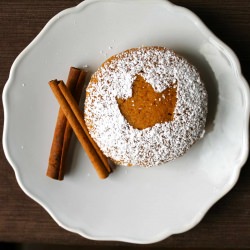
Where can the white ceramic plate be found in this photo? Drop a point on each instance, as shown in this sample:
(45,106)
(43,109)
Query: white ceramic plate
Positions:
(134,204)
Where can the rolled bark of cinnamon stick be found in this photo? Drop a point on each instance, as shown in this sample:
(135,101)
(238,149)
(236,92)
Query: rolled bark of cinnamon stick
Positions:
(77,128)
(80,118)
(62,134)
(76,92)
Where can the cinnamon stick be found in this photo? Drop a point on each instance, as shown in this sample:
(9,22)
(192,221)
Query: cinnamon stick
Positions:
(76,126)
(62,134)
(80,118)
(76,92)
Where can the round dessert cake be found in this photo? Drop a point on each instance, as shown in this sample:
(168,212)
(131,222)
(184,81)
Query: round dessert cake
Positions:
(145,106)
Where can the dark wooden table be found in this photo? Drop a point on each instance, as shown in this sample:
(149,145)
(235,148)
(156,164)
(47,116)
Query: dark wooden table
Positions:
(227,223)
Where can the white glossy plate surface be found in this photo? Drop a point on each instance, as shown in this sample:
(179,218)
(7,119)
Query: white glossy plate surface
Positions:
(134,204)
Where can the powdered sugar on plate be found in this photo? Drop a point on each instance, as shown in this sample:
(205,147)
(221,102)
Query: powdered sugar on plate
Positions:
(164,141)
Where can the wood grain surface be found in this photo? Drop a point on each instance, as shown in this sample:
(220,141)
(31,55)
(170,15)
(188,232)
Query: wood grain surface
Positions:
(227,224)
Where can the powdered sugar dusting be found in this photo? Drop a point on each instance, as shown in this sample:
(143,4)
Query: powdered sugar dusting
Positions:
(164,141)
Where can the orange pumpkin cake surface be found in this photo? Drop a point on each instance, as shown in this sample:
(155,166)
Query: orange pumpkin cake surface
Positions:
(145,106)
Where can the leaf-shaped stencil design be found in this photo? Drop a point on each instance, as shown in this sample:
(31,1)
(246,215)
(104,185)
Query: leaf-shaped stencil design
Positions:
(146,107)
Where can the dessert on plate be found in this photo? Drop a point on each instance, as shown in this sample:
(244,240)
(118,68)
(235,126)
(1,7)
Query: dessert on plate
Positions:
(145,106)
